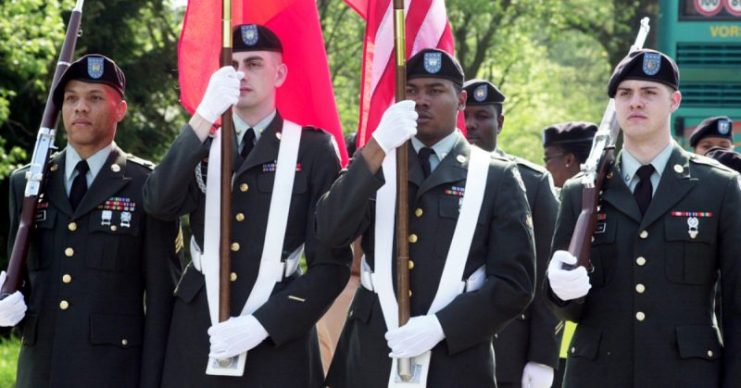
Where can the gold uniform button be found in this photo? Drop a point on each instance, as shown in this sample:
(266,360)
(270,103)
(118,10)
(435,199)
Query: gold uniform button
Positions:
(235,247)
(115,168)
(411,265)
(710,353)
(66,278)
(124,342)
(640,288)
(419,212)
(233,276)
(679,169)
(641,261)
(72,226)
(54,167)
(410,293)
(644,234)
(573,350)
(64,305)
(69,252)
(114,228)
(640,316)
(413,238)
(244,187)
(239,217)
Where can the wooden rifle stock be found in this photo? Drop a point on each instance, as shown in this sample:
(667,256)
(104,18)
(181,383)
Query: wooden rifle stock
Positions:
(37,173)
(402,189)
(227,153)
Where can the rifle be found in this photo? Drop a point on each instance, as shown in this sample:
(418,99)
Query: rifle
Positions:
(594,171)
(402,189)
(39,167)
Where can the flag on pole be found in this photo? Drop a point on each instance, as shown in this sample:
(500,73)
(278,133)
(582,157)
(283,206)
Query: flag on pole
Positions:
(426,27)
(307,96)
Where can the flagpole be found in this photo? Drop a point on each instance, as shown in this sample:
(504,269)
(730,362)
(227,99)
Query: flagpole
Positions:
(227,153)
(402,189)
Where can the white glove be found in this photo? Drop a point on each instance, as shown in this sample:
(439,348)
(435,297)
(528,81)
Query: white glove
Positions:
(12,308)
(221,93)
(235,335)
(567,284)
(537,375)
(398,124)
(419,335)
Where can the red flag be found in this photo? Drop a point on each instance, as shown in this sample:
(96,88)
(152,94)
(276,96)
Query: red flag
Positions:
(306,97)
(426,26)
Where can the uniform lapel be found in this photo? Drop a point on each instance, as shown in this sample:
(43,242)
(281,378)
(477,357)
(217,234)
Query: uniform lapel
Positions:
(416,175)
(55,191)
(453,168)
(618,195)
(109,181)
(675,183)
(266,149)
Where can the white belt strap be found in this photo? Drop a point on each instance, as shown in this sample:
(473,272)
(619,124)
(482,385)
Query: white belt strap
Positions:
(271,268)
(451,283)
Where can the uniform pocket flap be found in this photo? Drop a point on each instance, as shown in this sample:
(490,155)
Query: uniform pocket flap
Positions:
(698,342)
(362,305)
(586,342)
(189,285)
(699,229)
(114,222)
(123,330)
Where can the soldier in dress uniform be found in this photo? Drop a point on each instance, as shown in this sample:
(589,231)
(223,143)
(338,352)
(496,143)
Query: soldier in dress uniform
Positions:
(712,132)
(271,317)
(527,349)
(99,276)
(465,285)
(566,147)
(667,225)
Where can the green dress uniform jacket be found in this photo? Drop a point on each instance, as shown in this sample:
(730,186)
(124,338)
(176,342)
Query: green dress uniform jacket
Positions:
(535,334)
(502,243)
(98,287)
(290,356)
(648,319)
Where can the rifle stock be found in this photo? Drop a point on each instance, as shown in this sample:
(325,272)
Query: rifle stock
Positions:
(38,170)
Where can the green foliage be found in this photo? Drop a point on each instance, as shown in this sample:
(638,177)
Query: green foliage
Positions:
(9,349)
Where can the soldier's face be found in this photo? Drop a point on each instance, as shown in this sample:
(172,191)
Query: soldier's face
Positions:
(264,71)
(706,143)
(644,109)
(91,112)
(437,103)
(483,124)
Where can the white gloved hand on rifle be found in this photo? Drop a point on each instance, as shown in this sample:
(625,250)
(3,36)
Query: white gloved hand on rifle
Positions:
(567,284)
(398,124)
(12,308)
(417,336)
(235,335)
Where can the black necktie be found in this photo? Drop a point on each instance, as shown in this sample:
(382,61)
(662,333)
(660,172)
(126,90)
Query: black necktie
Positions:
(424,160)
(248,142)
(79,184)
(644,190)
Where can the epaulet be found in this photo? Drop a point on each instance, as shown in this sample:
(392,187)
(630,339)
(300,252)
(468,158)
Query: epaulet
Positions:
(140,161)
(521,162)
(700,159)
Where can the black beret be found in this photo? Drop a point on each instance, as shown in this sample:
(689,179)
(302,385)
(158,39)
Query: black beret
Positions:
(254,37)
(482,92)
(434,63)
(718,126)
(569,133)
(646,65)
(93,68)
(728,158)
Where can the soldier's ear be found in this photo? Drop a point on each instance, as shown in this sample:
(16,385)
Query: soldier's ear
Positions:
(676,99)
(462,97)
(121,109)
